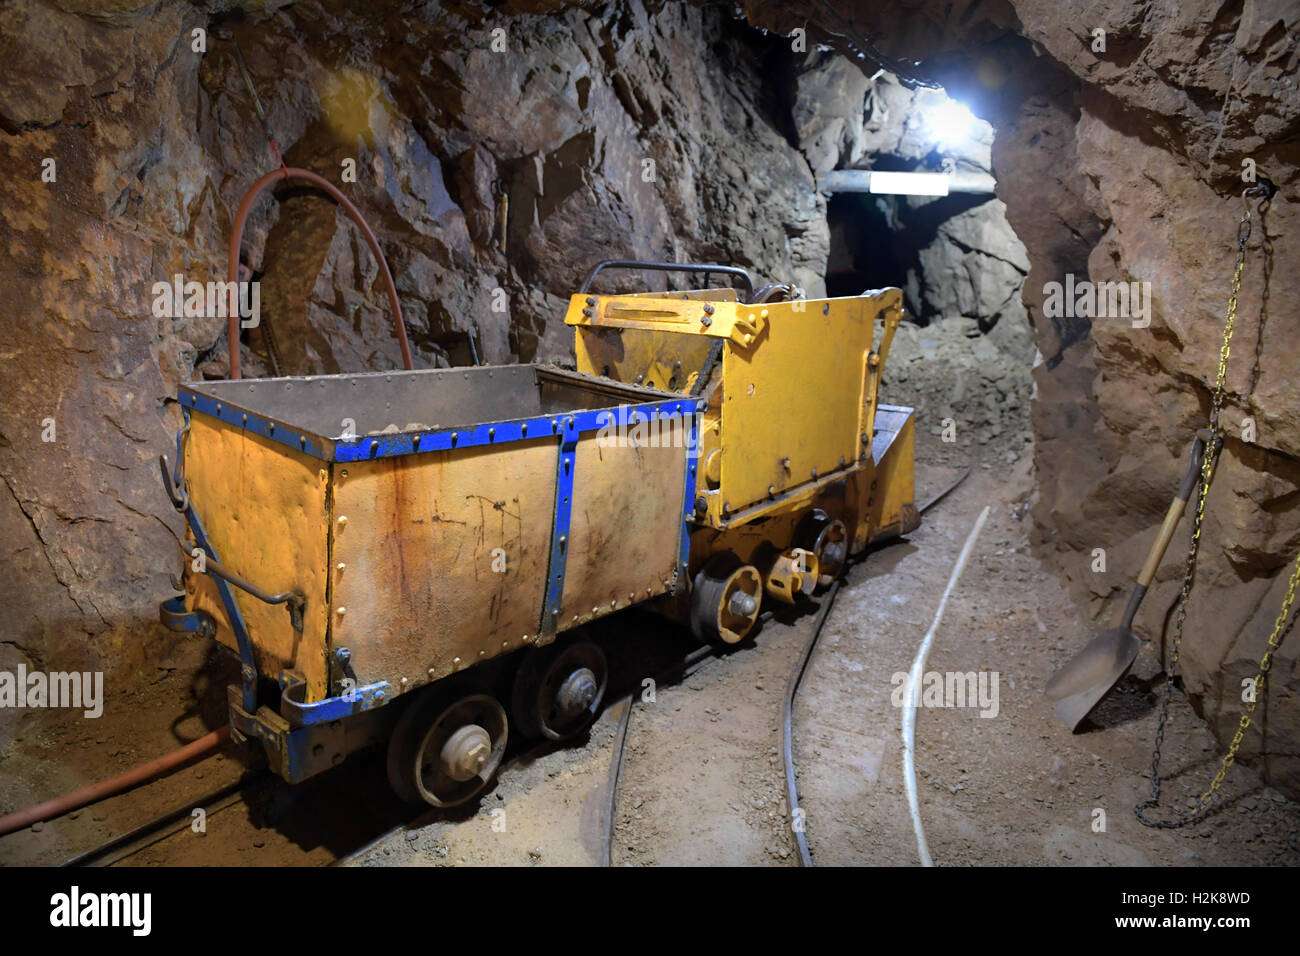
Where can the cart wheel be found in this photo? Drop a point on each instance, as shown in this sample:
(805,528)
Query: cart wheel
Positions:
(558,690)
(826,538)
(400,745)
(725,600)
(445,753)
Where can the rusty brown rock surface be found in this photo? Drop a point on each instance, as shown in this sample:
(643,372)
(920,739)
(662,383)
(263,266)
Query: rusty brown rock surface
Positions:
(1122,164)
(1125,164)
(642,133)
(1166,116)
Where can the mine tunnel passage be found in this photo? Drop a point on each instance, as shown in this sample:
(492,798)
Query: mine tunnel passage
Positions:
(963,355)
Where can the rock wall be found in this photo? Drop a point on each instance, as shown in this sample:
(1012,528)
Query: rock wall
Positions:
(640,132)
(1186,93)
(1123,160)
(1115,163)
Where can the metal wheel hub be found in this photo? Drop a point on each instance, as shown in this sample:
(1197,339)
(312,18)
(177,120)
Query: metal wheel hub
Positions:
(558,689)
(742,604)
(444,749)
(828,539)
(725,599)
(577,692)
(466,753)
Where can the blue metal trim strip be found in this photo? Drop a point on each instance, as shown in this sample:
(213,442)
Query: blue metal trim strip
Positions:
(251,421)
(298,753)
(367,447)
(498,433)
(492,433)
(564,481)
(688,499)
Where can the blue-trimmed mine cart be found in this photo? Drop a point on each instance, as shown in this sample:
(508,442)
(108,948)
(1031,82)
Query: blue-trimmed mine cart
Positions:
(356,537)
(408,556)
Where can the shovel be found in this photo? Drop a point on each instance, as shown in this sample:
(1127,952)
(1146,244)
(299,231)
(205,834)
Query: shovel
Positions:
(1091,674)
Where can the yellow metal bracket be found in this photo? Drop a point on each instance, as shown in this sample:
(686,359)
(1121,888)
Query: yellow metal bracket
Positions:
(740,324)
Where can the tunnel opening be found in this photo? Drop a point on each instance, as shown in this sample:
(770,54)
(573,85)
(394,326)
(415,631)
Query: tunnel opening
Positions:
(964,352)
(864,250)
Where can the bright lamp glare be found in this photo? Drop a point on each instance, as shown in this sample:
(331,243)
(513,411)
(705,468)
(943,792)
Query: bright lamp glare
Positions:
(949,122)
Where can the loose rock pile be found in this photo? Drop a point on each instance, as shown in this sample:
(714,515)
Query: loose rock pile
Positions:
(949,370)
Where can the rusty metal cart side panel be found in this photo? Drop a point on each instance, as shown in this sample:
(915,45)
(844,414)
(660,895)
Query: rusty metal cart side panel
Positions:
(625,531)
(430,547)
(264,509)
(439,560)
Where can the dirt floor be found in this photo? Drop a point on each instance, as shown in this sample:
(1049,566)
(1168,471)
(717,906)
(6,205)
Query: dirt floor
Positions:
(702,780)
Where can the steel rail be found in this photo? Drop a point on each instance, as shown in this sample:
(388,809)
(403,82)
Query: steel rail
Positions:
(787,726)
(173,821)
(687,666)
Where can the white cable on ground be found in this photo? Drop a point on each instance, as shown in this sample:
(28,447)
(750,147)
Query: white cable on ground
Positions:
(914,693)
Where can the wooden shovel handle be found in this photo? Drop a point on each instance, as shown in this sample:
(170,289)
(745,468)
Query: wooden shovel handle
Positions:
(1161,544)
(1174,514)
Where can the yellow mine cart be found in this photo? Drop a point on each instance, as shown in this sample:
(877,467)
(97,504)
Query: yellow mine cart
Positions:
(799,464)
(411,554)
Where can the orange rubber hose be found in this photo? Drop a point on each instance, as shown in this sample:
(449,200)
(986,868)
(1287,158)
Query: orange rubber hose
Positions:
(107,788)
(237,237)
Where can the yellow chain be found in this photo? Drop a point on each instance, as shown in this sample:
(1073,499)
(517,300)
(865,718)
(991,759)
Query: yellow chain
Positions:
(1265,663)
(1207,469)
(1210,458)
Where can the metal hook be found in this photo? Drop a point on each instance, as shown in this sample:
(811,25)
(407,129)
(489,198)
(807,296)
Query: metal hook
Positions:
(180,498)
(1264,188)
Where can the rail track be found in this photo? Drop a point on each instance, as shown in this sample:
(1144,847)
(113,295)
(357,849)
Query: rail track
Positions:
(164,825)
(121,848)
(698,658)
(796,678)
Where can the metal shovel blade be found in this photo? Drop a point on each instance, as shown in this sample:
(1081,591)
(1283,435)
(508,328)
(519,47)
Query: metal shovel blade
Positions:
(1091,674)
(1080,685)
